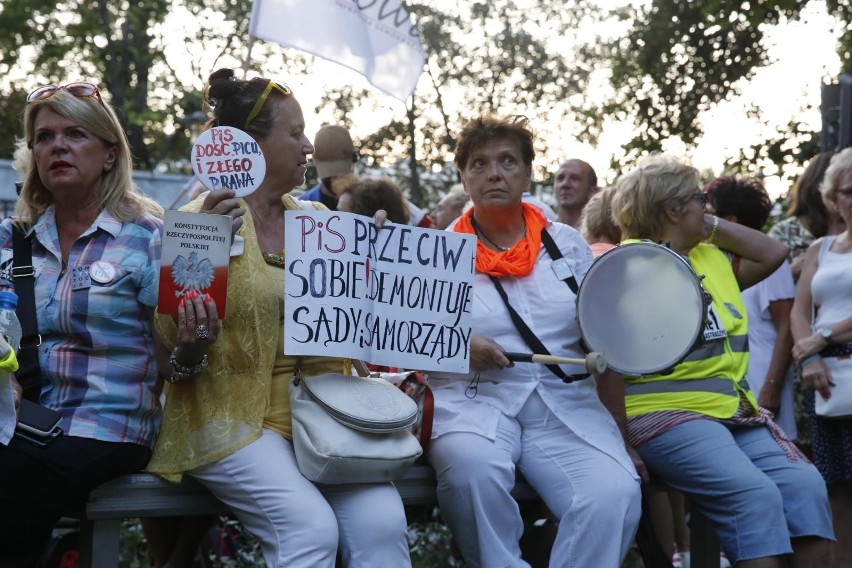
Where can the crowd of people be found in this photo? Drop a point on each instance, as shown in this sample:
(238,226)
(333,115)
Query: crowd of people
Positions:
(205,396)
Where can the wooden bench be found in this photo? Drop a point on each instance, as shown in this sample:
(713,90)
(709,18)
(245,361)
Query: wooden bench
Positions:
(146,495)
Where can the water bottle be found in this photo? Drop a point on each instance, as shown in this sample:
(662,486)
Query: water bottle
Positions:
(10,327)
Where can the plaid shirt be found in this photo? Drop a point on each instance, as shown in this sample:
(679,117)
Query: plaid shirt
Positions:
(791,233)
(97,354)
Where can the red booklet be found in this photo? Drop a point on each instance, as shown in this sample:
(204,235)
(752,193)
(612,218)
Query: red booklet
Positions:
(195,256)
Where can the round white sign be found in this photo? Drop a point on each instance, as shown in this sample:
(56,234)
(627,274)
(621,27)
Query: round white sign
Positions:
(227,157)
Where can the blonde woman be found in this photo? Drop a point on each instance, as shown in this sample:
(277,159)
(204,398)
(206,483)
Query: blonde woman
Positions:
(95,248)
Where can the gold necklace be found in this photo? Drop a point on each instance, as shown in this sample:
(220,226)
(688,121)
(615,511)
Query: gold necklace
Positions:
(268,257)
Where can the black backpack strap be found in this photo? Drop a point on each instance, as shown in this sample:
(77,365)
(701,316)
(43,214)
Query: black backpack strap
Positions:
(23,276)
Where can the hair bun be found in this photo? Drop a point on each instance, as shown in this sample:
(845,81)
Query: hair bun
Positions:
(222,85)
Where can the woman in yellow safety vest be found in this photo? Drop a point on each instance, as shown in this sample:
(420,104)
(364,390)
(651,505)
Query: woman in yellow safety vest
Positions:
(699,428)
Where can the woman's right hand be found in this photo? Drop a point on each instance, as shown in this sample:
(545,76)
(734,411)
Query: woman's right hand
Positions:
(224,202)
(815,375)
(486,354)
(198,326)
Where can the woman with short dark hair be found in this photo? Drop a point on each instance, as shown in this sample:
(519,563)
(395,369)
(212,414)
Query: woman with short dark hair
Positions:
(502,418)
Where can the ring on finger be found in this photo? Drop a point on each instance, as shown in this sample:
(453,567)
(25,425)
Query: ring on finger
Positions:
(202,331)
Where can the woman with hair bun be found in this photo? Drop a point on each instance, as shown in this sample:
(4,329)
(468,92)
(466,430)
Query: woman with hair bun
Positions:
(227,420)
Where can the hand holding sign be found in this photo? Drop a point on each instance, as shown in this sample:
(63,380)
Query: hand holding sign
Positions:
(224,202)
(397,296)
(224,157)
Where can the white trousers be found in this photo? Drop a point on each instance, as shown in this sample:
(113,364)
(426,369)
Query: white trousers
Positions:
(596,502)
(300,524)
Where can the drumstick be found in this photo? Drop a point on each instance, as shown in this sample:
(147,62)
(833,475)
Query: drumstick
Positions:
(594,362)
(543,359)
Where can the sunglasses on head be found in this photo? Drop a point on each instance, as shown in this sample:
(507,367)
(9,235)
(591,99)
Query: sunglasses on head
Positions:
(255,110)
(79,90)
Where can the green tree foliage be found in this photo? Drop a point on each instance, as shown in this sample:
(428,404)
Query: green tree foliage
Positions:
(676,59)
(504,56)
(680,58)
(11,127)
(842,10)
(120,46)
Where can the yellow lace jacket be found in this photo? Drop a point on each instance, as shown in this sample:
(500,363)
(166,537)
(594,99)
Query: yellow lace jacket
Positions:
(222,409)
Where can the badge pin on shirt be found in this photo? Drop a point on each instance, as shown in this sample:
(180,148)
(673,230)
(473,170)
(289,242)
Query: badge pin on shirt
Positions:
(561,269)
(102,272)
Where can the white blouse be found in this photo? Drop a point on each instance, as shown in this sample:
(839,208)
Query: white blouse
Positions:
(548,306)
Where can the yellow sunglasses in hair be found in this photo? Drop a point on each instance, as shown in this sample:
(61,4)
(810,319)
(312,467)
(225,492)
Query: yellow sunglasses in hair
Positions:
(283,89)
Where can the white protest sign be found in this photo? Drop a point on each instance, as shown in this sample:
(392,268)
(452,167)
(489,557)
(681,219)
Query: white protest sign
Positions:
(227,157)
(400,296)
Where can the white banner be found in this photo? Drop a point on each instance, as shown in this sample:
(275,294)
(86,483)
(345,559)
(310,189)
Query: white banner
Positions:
(374,37)
(400,296)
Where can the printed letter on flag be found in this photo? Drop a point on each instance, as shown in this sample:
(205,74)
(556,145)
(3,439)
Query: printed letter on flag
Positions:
(375,38)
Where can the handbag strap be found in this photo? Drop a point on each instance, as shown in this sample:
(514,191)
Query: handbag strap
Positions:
(23,276)
(427,411)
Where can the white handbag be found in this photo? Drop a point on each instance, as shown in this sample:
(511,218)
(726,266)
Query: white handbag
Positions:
(349,429)
(840,403)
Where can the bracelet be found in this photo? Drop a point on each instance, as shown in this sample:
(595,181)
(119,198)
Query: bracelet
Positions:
(182,372)
(713,230)
(805,360)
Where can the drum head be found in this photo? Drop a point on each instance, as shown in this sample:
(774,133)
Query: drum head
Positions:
(642,306)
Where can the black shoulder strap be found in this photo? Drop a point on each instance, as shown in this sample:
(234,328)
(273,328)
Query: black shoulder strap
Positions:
(23,275)
(560,265)
(530,338)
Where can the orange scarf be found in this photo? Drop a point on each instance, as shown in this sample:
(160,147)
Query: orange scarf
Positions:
(518,260)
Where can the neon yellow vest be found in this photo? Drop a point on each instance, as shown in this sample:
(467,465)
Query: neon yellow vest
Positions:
(712,378)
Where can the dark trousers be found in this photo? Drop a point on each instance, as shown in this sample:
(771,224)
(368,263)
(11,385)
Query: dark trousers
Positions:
(39,485)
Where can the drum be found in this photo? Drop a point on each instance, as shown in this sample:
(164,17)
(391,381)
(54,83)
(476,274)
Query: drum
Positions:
(643,307)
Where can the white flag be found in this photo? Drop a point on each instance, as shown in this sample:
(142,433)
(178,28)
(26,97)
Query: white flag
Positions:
(374,37)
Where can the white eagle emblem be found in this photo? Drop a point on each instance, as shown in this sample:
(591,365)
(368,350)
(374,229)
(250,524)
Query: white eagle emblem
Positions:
(191,274)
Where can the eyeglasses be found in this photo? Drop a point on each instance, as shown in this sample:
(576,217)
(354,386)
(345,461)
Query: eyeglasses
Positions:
(79,90)
(701,197)
(283,89)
